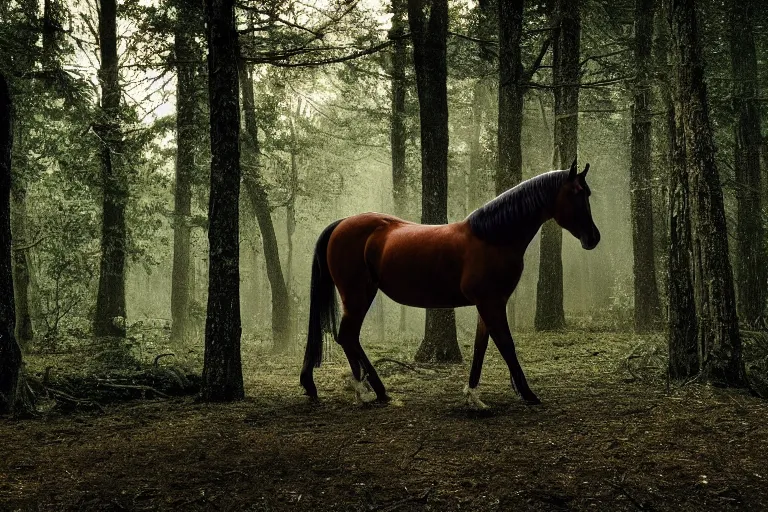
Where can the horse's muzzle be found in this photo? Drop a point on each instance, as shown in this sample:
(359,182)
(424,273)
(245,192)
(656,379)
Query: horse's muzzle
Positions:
(591,240)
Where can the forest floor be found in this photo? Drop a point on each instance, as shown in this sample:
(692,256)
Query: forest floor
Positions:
(610,435)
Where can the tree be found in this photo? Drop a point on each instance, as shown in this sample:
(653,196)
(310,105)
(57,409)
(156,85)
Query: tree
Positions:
(188,91)
(259,200)
(222,369)
(509,171)
(428,20)
(109,319)
(513,84)
(398,129)
(550,314)
(11,378)
(647,314)
(720,341)
(682,324)
(750,233)
(482,93)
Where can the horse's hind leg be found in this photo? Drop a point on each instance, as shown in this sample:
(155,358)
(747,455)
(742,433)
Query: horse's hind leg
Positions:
(373,377)
(349,331)
(355,309)
(481,344)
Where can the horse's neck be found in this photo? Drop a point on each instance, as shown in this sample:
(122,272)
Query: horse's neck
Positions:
(527,234)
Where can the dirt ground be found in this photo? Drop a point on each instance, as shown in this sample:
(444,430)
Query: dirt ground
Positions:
(608,436)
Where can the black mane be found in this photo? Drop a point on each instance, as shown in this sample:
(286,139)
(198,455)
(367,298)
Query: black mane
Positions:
(496,220)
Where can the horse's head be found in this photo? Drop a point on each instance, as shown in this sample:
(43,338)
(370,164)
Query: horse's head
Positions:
(572,211)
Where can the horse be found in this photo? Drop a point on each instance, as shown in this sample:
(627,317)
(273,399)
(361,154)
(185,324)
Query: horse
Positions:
(474,262)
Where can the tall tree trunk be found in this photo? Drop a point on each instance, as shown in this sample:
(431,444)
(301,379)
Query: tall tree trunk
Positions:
(222,370)
(647,307)
(188,60)
(257,195)
(721,342)
(550,314)
(487,23)
(11,377)
(428,20)
(21,280)
(109,319)
(750,233)
(509,171)
(397,120)
(683,338)
(290,210)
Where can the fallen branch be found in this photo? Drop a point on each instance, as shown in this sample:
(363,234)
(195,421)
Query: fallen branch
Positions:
(390,360)
(67,398)
(157,357)
(138,387)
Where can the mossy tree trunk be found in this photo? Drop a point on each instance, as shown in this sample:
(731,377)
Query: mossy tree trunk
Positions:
(714,293)
(684,361)
(750,232)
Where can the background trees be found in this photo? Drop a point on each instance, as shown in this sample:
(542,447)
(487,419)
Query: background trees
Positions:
(647,307)
(566,76)
(330,129)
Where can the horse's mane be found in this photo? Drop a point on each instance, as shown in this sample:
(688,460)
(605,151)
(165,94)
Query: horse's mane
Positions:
(495,221)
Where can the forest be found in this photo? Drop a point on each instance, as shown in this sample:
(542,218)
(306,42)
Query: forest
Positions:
(252,255)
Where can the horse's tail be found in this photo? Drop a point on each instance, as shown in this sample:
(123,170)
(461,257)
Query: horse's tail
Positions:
(323,309)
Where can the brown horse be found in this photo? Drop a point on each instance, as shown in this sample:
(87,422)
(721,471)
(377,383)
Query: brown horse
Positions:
(477,261)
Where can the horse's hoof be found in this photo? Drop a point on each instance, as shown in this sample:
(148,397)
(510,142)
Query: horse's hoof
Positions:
(532,400)
(472,397)
(383,399)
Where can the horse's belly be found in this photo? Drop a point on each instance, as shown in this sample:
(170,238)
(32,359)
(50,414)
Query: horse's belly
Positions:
(421,284)
(425,298)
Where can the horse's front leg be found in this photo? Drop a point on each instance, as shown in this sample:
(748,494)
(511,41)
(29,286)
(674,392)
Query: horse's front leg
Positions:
(494,315)
(471,393)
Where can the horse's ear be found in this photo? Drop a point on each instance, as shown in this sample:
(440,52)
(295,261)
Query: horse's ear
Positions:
(583,174)
(572,173)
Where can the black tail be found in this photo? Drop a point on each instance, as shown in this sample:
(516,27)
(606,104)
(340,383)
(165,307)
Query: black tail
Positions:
(323,309)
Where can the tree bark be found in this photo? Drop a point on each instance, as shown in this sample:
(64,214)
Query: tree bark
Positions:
(109,319)
(428,20)
(647,314)
(398,115)
(257,195)
(11,378)
(509,171)
(188,61)
(719,332)
(750,233)
(550,314)
(21,280)
(683,345)
(222,370)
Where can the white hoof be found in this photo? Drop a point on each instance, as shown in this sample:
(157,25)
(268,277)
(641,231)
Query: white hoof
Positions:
(472,397)
(362,392)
